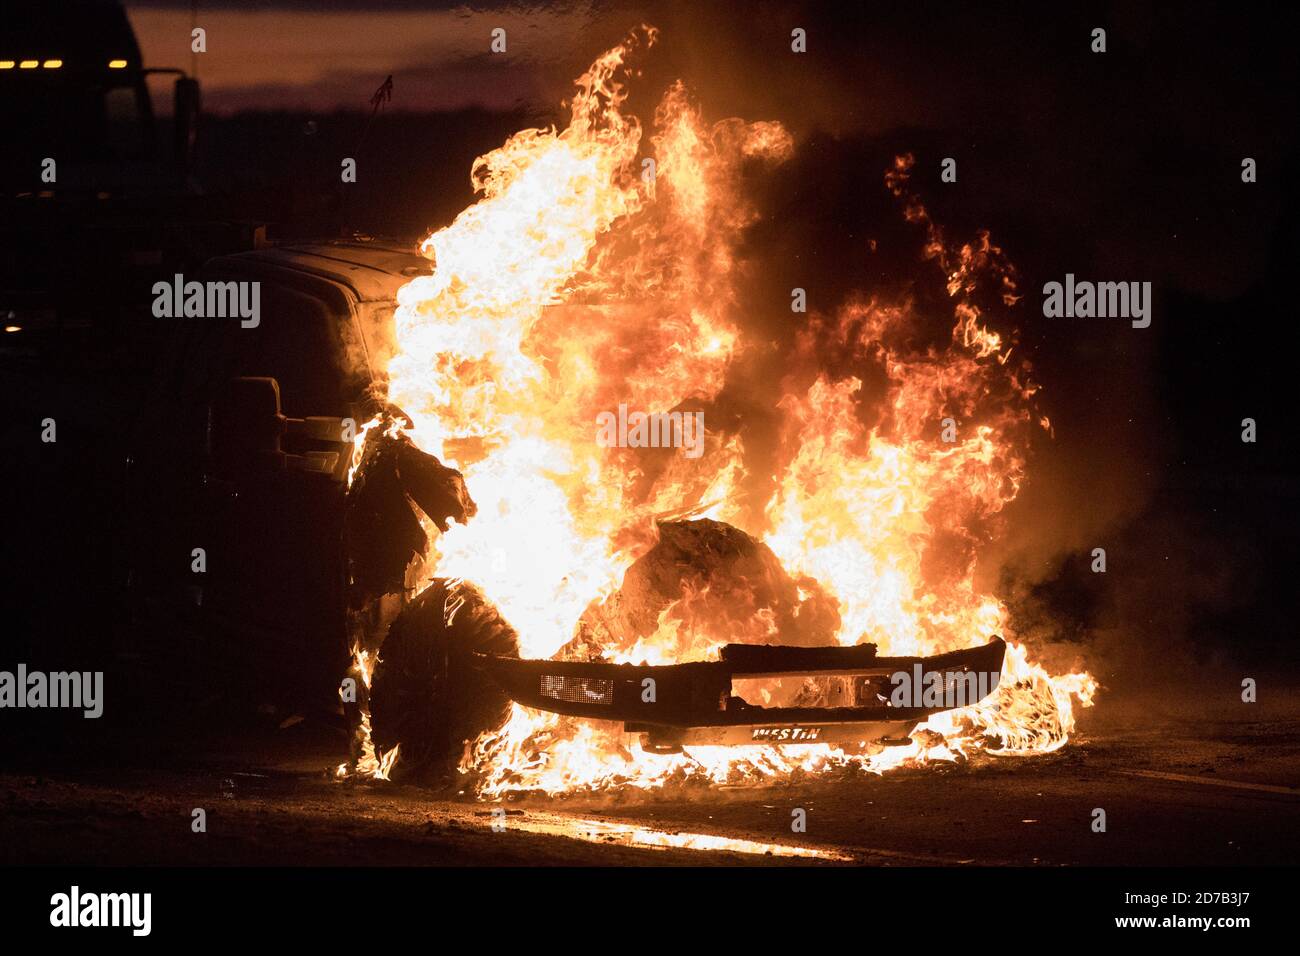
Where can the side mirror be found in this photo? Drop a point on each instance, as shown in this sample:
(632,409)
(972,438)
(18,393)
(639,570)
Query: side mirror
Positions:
(245,427)
(185,122)
(247,432)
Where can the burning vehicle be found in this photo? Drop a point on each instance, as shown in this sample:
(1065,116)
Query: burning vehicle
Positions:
(595,614)
(521,596)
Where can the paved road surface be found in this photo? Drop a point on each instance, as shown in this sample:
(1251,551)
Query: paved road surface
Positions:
(1176,790)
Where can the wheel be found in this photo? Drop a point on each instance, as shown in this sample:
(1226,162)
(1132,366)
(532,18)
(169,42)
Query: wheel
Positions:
(425,693)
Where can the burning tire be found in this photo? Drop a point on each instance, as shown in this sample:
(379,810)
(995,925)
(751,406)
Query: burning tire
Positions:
(723,581)
(426,694)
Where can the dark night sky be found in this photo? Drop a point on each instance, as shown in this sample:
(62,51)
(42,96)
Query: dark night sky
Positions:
(1129,142)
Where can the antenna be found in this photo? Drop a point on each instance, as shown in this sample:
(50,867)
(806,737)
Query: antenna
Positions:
(381,96)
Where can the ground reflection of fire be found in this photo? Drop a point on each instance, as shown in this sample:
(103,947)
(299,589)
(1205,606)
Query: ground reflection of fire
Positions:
(586,278)
(646,837)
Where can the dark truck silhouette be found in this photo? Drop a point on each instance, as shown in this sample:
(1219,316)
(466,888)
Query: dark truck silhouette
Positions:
(93,199)
(165,441)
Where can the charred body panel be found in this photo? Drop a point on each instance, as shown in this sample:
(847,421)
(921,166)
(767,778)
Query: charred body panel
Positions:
(694,703)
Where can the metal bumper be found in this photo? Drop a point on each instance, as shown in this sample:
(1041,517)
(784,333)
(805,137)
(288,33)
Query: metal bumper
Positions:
(682,704)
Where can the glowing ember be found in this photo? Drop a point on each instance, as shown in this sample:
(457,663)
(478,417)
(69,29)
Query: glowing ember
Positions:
(578,283)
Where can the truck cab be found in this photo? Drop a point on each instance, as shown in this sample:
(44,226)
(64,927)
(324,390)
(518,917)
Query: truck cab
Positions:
(92,196)
(240,457)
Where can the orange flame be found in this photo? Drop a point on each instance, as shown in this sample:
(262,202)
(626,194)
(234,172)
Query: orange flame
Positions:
(591,274)
(367,763)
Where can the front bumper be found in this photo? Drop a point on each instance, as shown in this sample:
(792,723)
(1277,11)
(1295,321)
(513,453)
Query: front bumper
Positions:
(694,704)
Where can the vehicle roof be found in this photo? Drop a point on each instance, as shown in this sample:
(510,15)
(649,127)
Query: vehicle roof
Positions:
(373,269)
(79,32)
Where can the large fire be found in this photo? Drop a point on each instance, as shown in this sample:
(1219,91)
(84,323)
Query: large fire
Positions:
(600,268)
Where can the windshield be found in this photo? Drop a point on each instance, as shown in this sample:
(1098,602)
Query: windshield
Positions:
(76,122)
